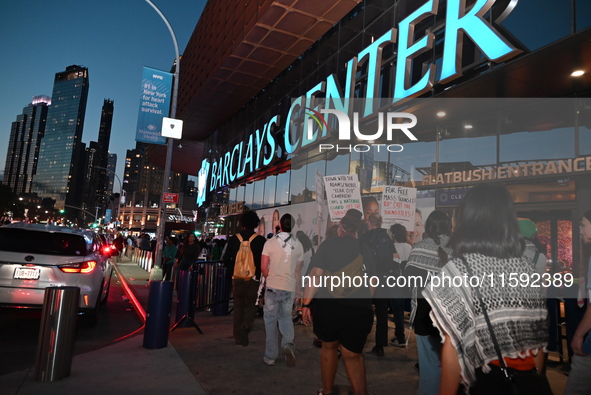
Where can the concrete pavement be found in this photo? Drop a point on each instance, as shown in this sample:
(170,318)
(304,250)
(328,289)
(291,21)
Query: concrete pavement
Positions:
(211,363)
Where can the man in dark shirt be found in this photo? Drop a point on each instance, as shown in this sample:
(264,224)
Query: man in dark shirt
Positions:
(382,247)
(245,291)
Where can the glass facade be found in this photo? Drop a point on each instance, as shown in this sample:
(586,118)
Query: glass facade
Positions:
(61,147)
(511,134)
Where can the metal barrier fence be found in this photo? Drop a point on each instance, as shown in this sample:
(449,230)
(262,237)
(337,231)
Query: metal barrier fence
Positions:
(213,286)
(144,259)
(205,286)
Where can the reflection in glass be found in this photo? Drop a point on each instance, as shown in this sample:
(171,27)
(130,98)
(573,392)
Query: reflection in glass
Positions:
(298,184)
(533,145)
(414,161)
(269,198)
(282,190)
(338,165)
(259,189)
(249,192)
(312,167)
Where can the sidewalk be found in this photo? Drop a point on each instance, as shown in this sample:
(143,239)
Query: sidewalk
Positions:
(211,363)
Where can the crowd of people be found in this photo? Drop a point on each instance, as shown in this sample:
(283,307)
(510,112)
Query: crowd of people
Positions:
(467,337)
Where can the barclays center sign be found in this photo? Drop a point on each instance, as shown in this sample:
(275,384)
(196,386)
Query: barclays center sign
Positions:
(309,120)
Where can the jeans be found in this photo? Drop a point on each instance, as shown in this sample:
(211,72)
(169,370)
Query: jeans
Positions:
(277,314)
(579,379)
(397,306)
(429,349)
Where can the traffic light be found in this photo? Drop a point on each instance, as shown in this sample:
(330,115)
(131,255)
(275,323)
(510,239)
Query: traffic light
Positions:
(62,211)
(197,233)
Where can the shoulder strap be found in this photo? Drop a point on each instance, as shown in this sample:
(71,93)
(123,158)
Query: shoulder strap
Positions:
(254,235)
(239,236)
(488,323)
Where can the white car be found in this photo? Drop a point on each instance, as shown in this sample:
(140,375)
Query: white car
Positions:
(36,256)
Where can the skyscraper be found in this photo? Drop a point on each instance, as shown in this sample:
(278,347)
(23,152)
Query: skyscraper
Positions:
(59,168)
(23,147)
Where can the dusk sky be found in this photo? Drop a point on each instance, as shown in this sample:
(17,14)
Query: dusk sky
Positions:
(114,39)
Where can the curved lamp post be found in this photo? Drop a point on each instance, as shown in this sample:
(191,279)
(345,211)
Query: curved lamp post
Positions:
(169,143)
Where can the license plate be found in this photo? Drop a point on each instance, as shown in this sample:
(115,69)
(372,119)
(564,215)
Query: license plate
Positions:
(27,273)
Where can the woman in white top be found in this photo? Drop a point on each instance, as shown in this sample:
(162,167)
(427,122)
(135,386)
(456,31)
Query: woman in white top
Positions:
(399,236)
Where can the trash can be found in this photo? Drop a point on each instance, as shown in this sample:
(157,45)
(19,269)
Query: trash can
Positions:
(222,292)
(158,314)
(55,348)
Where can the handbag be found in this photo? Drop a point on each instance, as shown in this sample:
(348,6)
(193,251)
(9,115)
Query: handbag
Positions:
(503,379)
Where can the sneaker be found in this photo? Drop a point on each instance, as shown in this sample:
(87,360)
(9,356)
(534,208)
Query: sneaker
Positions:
(378,350)
(270,362)
(398,343)
(289,355)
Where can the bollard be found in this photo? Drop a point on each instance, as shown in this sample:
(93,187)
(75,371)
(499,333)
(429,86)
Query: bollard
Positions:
(184,304)
(158,314)
(55,347)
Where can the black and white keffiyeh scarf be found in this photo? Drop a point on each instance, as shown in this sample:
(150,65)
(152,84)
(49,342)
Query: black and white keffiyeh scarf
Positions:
(425,256)
(518,314)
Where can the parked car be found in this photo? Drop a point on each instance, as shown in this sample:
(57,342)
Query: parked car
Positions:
(36,256)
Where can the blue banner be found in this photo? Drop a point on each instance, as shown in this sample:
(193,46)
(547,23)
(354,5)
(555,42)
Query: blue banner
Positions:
(108,213)
(154,105)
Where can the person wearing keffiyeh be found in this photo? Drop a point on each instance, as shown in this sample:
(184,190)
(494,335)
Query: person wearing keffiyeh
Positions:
(487,236)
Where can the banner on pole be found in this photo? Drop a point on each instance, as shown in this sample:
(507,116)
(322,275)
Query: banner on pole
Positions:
(154,105)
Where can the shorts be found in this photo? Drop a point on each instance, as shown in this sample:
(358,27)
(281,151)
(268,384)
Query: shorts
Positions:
(336,321)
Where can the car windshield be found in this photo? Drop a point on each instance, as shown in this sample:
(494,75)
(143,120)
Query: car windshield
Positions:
(22,240)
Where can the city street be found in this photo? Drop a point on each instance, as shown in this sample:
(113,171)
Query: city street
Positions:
(19,330)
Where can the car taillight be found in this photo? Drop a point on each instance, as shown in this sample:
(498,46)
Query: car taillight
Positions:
(84,267)
(106,250)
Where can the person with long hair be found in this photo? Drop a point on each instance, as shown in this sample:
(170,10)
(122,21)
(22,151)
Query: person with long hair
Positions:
(579,379)
(340,322)
(308,249)
(426,258)
(486,244)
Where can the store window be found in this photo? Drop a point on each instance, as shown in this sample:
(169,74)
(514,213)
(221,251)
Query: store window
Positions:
(259,194)
(337,165)
(248,194)
(413,162)
(553,22)
(316,164)
(582,14)
(298,184)
(282,189)
(269,197)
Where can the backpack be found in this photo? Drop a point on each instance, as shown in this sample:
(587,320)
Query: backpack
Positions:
(355,268)
(244,267)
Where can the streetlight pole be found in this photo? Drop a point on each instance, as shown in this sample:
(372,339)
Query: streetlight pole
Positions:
(169,142)
(120,189)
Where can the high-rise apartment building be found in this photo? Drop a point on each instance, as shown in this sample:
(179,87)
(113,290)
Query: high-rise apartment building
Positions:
(143,180)
(23,146)
(59,172)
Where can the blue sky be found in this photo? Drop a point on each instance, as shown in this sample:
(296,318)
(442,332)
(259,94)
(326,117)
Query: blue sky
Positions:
(113,38)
